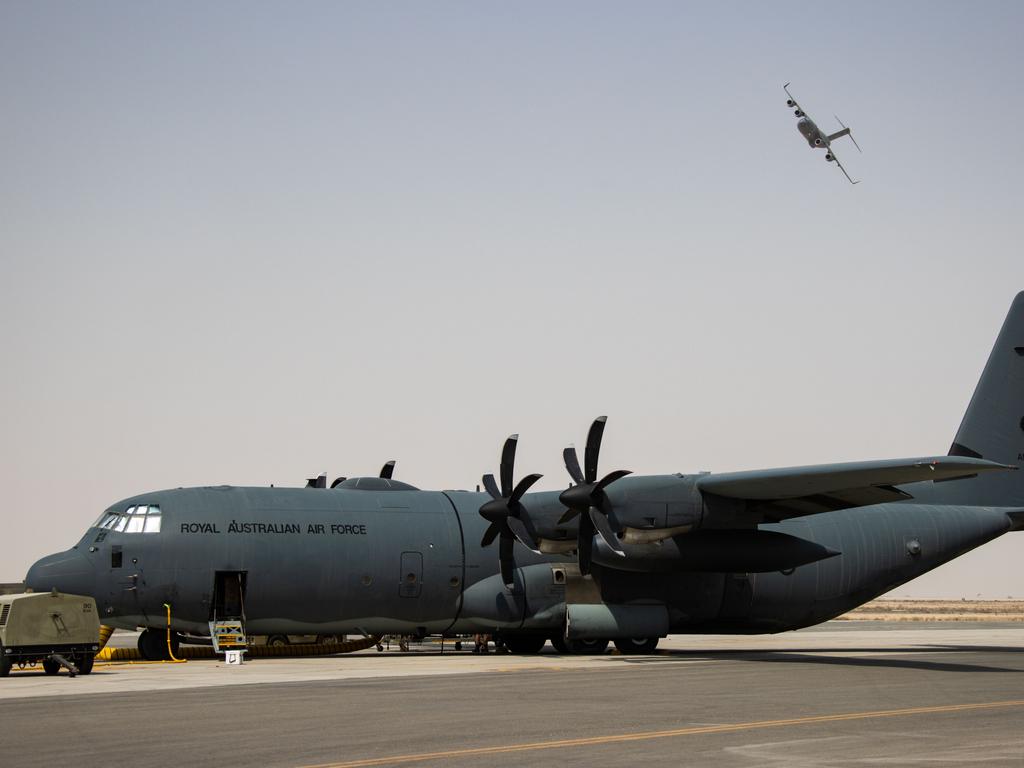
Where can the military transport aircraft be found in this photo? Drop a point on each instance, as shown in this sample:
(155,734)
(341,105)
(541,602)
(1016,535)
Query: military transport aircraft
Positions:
(616,556)
(816,138)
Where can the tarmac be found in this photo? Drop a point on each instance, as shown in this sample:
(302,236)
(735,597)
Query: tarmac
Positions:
(843,694)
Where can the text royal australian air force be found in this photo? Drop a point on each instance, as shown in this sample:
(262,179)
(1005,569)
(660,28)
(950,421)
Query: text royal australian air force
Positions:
(287,529)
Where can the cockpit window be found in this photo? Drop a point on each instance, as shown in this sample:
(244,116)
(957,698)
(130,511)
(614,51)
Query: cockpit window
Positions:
(136,519)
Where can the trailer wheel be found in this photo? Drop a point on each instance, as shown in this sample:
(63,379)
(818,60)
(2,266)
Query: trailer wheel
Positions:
(84,662)
(51,667)
(5,663)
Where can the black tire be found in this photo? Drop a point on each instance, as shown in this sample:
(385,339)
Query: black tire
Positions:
(524,644)
(153,644)
(632,645)
(84,662)
(6,662)
(560,643)
(588,647)
(278,640)
(51,667)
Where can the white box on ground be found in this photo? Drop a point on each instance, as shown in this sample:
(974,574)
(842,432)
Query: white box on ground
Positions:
(233,657)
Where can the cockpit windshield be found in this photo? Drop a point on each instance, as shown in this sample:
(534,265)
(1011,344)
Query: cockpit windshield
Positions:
(140,518)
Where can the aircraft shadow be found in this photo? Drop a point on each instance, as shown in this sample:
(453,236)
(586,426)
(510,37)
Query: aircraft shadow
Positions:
(810,656)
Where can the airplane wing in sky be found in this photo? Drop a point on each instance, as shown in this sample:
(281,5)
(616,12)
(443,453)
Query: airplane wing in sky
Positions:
(835,157)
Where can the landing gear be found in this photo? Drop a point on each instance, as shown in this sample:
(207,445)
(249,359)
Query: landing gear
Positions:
(5,662)
(153,644)
(278,640)
(51,666)
(637,645)
(587,647)
(524,644)
(579,647)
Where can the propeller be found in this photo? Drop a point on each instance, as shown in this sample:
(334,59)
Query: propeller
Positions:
(587,498)
(505,513)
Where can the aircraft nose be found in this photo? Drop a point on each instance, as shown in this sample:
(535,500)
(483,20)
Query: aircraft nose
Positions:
(67,571)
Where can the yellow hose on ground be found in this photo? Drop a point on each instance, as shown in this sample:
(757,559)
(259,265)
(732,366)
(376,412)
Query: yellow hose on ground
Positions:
(257,651)
(105,633)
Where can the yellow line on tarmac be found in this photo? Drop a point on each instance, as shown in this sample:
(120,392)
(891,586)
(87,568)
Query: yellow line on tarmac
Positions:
(645,735)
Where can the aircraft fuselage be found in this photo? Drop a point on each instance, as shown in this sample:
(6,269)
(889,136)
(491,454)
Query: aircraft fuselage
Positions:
(332,561)
(810,131)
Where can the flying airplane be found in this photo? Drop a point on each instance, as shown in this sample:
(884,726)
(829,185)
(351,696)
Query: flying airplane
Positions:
(616,556)
(816,138)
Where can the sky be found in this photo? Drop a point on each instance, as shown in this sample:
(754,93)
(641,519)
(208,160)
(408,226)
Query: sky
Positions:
(245,243)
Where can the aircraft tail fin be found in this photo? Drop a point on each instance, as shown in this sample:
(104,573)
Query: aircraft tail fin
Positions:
(844,132)
(993,427)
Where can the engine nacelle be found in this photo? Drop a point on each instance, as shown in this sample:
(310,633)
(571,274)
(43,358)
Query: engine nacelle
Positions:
(790,103)
(798,113)
(829,157)
(655,502)
(817,142)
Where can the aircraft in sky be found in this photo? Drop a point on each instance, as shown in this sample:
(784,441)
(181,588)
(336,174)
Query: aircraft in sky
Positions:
(615,557)
(816,138)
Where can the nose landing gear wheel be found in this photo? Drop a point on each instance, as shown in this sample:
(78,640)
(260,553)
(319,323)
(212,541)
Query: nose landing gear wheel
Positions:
(637,644)
(153,644)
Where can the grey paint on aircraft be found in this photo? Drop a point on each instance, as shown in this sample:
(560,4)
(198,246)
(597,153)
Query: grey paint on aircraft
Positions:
(745,552)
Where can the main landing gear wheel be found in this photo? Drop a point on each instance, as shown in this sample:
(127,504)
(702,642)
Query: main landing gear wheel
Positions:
(637,644)
(560,644)
(51,667)
(524,644)
(587,647)
(278,640)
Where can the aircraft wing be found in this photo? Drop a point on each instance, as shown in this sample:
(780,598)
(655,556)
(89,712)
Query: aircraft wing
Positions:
(796,105)
(777,494)
(836,158)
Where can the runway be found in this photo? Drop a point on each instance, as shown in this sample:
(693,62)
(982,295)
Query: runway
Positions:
(846,693)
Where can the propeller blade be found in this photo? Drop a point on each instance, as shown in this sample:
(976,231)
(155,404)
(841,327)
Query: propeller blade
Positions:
(606,533)
(490,534)
(338,481)
(388,470)
(508,460)
(521,532)
(569,515)
(522,487)
(611,477)
(491,486)
(508,565)
(593,449)
(585,543)
(572,464)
